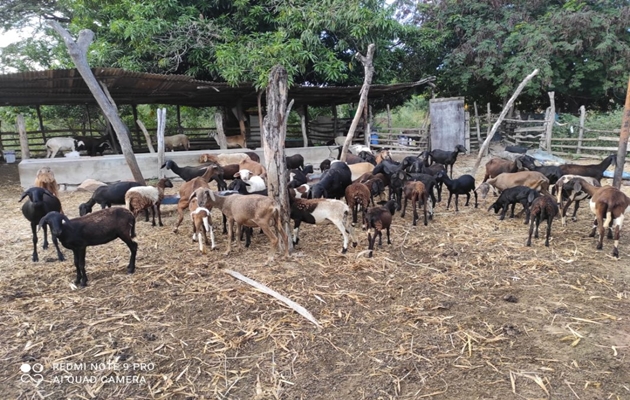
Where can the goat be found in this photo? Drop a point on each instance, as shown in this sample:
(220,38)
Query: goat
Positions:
(295,161)
(498,166)
(202,223)
(224,159)
(563,192)
(92,230)
(367,156)
(93,145)
(45,179)
(543,208)
(140,198)
(462,185)
(251,211)
(319,211)
(358,195)
(180,140)
(377,219)
(447,157)
(552,172)
(40,202)
(105,196)
(511,196)
(359,169)
(254,167)
(53,145)
(415,191)
(254,185)
(609,205)
(297,177)
(232,141)
(350,158)
(594,170)
(324,165)
(187,189)
(186,173)
(333,182)
(383,155)
(531,179)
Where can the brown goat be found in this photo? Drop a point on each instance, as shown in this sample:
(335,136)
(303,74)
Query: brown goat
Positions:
(202,223)
(609,205)
(542,208)
(186,190)
(416,191)
(497,166)
(531,179)
(377,219)
(139,198)
(358,194)
(594,170)
(45,179)
(223,159)
(254,167)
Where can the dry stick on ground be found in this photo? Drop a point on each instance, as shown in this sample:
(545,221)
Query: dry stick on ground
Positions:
(293,305)
(496,125)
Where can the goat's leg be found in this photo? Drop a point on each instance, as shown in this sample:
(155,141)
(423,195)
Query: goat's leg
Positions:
(575,210)
(248,235)
(601,230)
(404,208)
(56,243)
(592,234)
(296,232)
(159,213)
(339,224)
(565,209)
(538,219)
(180,215)
(504,209)
(34,230)
(229,233)
(371,242)
(153,215)
(531,230)
(146,215)
(549,221)
(355,211)
(224,224)
(379,232)
(456,202)
(133,249)
(512,212)
(467,199)
(450,196)
(414,204)
(527,212)
(77,265)
(617,228)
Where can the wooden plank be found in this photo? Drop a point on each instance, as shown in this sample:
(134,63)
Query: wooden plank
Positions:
(530,129)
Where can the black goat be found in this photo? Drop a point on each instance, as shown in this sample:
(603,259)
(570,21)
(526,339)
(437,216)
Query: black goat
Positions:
(412,164)
(94,229)
(93,145)
(552,172)
(40,202)
(367,157)
(297,177)
(333,182)
(295,161)
(377,219)
(594,170)
(511,196)
(543,208)
(447,157)
(190,173)
(324,165)
(462,185)
(107,195)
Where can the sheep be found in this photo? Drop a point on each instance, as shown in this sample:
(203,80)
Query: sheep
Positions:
(295,161)
(562,192)
(415,191)
(255,168)
(531,179)
(609,205)
(359,169)
(333,183)
(105,196)
(542,208)
(377,219)
(251,211)
(594,170)
(186,190)
(139,198)
(40,202)
(447,157)
(224,159)
(202,223)
(93,145)
(462,185)
(180,140)
(53,145)
(45,179)
(497,166)
(321,211)
(254,185)
(511,196)
(357,195)
(232,141)
(93,229)
(552,172)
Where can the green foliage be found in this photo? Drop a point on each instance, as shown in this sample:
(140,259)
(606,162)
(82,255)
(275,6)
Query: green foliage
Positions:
(412,114)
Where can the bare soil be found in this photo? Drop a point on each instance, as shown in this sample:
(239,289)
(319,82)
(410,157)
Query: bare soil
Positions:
(460,309)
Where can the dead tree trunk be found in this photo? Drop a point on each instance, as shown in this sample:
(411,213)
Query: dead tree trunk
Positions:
(367,81)
(78,52)
(21,125)
(496,125)
(220,137)
(623,141)
(161,127)
(273,136)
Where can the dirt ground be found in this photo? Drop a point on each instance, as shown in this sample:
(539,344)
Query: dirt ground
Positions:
(460,309)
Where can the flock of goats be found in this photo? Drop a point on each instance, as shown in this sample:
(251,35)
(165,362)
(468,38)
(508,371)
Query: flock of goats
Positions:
(544,192)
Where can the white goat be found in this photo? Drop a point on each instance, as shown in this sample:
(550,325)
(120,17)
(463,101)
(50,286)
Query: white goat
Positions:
(53,145)
(180,140)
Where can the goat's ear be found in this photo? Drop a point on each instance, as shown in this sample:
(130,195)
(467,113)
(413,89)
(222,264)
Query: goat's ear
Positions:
(23,196)
(530,197)
(519,163)
(47,192)
(490,208)
(238,174)
(577,186)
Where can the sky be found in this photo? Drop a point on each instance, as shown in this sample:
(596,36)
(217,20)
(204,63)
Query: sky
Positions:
(6,38)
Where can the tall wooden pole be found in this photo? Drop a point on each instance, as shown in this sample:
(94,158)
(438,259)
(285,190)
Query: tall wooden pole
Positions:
(161,127)
(496,125)
(26,153)
(552,120)
(581,129)
(623,141)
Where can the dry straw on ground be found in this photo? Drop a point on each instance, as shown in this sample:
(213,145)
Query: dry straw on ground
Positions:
(459,309)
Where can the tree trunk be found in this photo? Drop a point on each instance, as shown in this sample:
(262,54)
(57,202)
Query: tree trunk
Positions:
(303,112)
(161,127)
(552,120)
(496,125)
(367,81)
(273,137)
(623,141)
(26,153)
(78,52)
(220,137)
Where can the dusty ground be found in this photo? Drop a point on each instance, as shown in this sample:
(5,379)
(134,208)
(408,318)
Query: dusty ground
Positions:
(460,309)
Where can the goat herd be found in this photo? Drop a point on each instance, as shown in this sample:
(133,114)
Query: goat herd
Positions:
(544,192)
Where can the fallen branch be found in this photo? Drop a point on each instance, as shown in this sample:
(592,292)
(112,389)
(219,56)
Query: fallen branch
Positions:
(293,305)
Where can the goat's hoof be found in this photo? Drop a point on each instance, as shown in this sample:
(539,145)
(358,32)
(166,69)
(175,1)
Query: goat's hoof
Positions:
(175,230)
(370,255)
(130,271)
(344,250)
(45,246)
(529,244)
(615,253)
(36,259)
(61,257)
(354,244)
(591,234)
(599,247)
(547,244)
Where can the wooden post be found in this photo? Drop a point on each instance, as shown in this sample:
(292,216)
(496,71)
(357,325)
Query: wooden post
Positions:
(220,137)
(389,118)
(302,112)
(147,137)
(496,125)
(489,117)
(543,135)
(581,129)
(273,137)
(552,120)
(368,68)
(477,124)
(41,123)
(26,153)
(78,52)
(623,141)
(180,129)
(161,127)
(240,116)
(134,110)
(334,113)
(366,125)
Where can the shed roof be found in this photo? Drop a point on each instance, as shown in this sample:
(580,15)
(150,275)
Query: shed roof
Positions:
(67,87)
